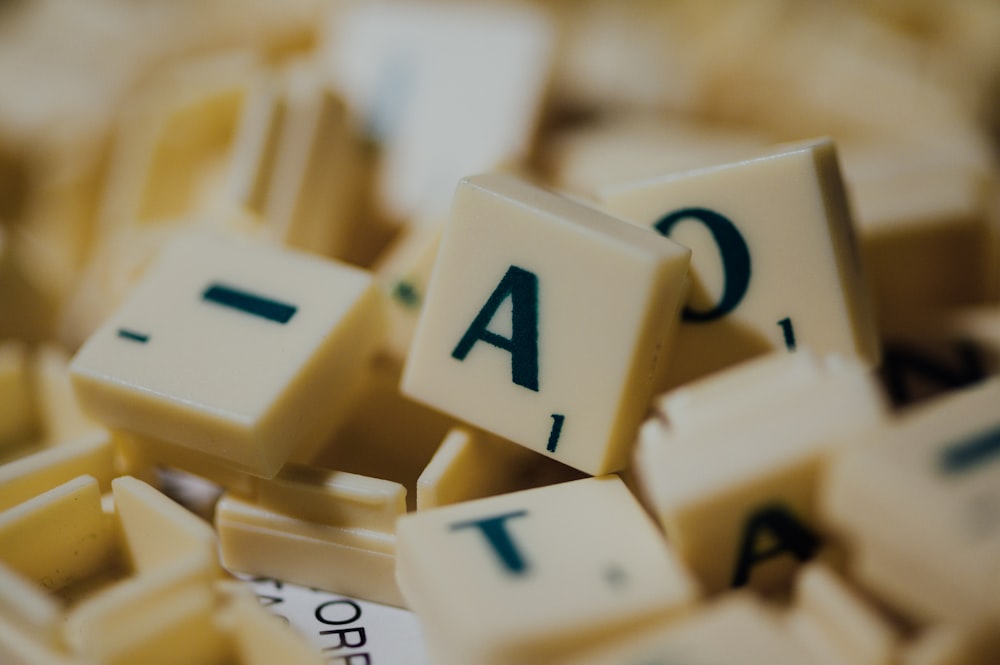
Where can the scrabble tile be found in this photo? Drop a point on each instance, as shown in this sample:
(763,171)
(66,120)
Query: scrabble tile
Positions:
(633,146)
(18,417)
(403,272)
(932,353)
(471,464)
(545,321)
(730,463)
(774,265)
(738,629)
(165,597)
(395,449)
(60,415)
(953,644)
(295,161)
(58,537)
(925,231)
(261,638)
(331,497)
(353,561)
(536,597)
(917,500)
(837,623)
(172,138)
(27,608)
(240,351)
(435,116)
(116,263)
(91,454)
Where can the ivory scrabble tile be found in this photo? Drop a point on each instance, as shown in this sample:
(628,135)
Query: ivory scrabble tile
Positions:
(837,623)
(91,454)
(436,115)
(738,629)
(529,576)
(58,537)
(351,560)
(730,463)
(173,136)
(403,272)
(296,162)
(241,351)
(925,218)
(774,263)
(471,464)
(545,321)
(60,415)
(18,417)
(918,501)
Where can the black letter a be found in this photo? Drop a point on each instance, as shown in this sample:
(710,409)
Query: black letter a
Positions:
(522,287)
(790,536)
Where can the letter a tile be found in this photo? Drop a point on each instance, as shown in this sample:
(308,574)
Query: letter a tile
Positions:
(545,321)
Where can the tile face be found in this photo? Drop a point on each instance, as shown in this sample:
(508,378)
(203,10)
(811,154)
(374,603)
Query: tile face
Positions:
(739,629)
(438,117)
(730,463)
(544,321)
(241,351)
(534,595)
(774,264)
(920,504)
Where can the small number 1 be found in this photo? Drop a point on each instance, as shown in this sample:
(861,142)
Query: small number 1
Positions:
(789,332)
(557,423)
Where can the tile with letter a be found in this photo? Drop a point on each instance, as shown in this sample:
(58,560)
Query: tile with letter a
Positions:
(918,501)
(544,321)
(729,463)
(530,576)
(239,350)
(774,262)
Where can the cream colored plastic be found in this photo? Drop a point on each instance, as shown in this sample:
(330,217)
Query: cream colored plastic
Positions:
(261,638)
(18,420)
(91,454)
(533,575)
(313,191)
(334,498)
(584,159)
(471,464)
(403,273)
(739,629)
(731,460)
(60,414)
(173,139)
(545,321)
(438,117)
(121,578)
(837,624)
(142,457)
(953,644)
(163,609)
(173,363)
(395,449)
(115,265)
(774,263)
(933,474)
(349,560)
(58,537)
(925,230)
(295,164)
